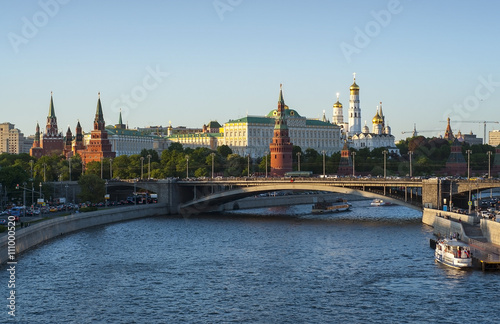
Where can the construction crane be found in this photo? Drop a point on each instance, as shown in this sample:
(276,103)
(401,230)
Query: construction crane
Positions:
(415,132)
(480,122)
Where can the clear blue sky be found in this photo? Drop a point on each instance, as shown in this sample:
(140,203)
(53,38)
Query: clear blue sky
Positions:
(423,61)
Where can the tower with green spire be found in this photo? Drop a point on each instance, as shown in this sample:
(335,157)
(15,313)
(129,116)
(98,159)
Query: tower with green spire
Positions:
(281,147)
(52,141)
(120,124)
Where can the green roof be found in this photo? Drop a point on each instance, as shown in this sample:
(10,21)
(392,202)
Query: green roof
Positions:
(288,112)
(195,135)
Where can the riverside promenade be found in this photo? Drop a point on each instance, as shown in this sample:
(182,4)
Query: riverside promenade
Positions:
(28,237)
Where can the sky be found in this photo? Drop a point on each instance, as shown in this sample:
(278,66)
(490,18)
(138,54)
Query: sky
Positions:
(190,62)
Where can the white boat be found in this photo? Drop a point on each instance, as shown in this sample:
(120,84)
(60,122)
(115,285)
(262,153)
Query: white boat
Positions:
(380,202)
(453,253)
(324,207)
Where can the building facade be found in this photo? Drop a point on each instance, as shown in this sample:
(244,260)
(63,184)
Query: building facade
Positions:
(12,141)
(494,138)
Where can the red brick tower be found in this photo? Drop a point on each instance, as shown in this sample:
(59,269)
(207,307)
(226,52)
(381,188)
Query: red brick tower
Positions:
(345,165)
(281,148)
(448,134)
(78,145)
(52,140)
(36,150)
(99,146)
(68,141)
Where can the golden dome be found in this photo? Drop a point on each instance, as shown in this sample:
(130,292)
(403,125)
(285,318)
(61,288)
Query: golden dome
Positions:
(337,105)
(377,119)
(354,86)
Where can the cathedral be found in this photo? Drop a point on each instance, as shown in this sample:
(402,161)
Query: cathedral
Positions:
(359,138)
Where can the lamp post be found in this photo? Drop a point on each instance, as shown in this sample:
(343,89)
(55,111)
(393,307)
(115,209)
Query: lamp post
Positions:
(468,178)
(248,165)
(31,179)
(266,164)
(40,190)
(69,161)
(102,159)
(489,171)
(149,166)
(298,161)
(410,153)
(66,187)
(24,199)
(468,163)
(111,168)
(323,163)
(385,163)
(135,192)
(142,166)
(353,163)
(187,166)
(213,156)
(105,194)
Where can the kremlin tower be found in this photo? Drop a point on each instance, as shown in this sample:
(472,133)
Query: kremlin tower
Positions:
(354,109)
(99,146)
(281,148)
(448,134)
(52,142)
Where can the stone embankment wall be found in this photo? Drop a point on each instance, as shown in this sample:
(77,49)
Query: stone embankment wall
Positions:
(491,230)
(37,233)
(444,226)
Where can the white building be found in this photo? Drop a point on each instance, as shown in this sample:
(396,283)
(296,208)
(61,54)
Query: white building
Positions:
(13,141)
(253,134)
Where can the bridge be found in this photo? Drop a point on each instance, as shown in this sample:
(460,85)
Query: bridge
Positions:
(196,196)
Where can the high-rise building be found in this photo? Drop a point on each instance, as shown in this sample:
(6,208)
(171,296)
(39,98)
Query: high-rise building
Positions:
(494,138)
(281,147)
(12,141)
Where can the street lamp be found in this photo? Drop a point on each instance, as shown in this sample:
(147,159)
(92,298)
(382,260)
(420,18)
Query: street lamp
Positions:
(66,186)
(149,166)
(489,171)
(69,160)
(32,185)
(323,163)
(385,163)
(142,166)
(353,163)
(40,190)
(468,163)
(248,165)
(187,166)
(213,155)
(298,160)
(24,199)
(111,168)
(266,164)
(410,153)
(31,165)
(468,178)
(102,159)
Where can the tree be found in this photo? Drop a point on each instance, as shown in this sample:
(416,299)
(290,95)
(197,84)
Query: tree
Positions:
(92,188)
(224,150)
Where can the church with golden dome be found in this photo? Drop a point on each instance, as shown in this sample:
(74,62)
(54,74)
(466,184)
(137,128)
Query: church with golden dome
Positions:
(360,137)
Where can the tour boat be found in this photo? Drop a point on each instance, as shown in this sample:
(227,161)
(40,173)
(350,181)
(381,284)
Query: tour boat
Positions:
(380,202)
(453,253)
(325,207)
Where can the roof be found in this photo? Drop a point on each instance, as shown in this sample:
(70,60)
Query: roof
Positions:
(288,112)
(214,124)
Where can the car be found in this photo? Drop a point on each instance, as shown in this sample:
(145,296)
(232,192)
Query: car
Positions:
(3,222)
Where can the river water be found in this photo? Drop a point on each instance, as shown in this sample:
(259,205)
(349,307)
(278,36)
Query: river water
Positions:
(278,265)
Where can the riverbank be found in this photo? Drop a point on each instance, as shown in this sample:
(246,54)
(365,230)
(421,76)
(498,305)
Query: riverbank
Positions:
(28,237)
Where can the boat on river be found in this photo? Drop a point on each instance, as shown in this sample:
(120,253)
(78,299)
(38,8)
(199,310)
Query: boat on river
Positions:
(453,253)
(380,202)
(323,207)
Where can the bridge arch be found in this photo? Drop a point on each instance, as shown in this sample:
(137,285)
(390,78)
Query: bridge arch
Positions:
(214,202)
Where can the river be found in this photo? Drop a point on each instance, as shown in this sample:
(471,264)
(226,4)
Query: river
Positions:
(277,265)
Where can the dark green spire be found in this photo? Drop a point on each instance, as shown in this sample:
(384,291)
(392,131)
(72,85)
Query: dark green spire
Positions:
(120,120)
(98,112)
(52,113)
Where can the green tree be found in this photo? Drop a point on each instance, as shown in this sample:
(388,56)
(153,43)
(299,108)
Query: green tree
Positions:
(224,151)
(92,188)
